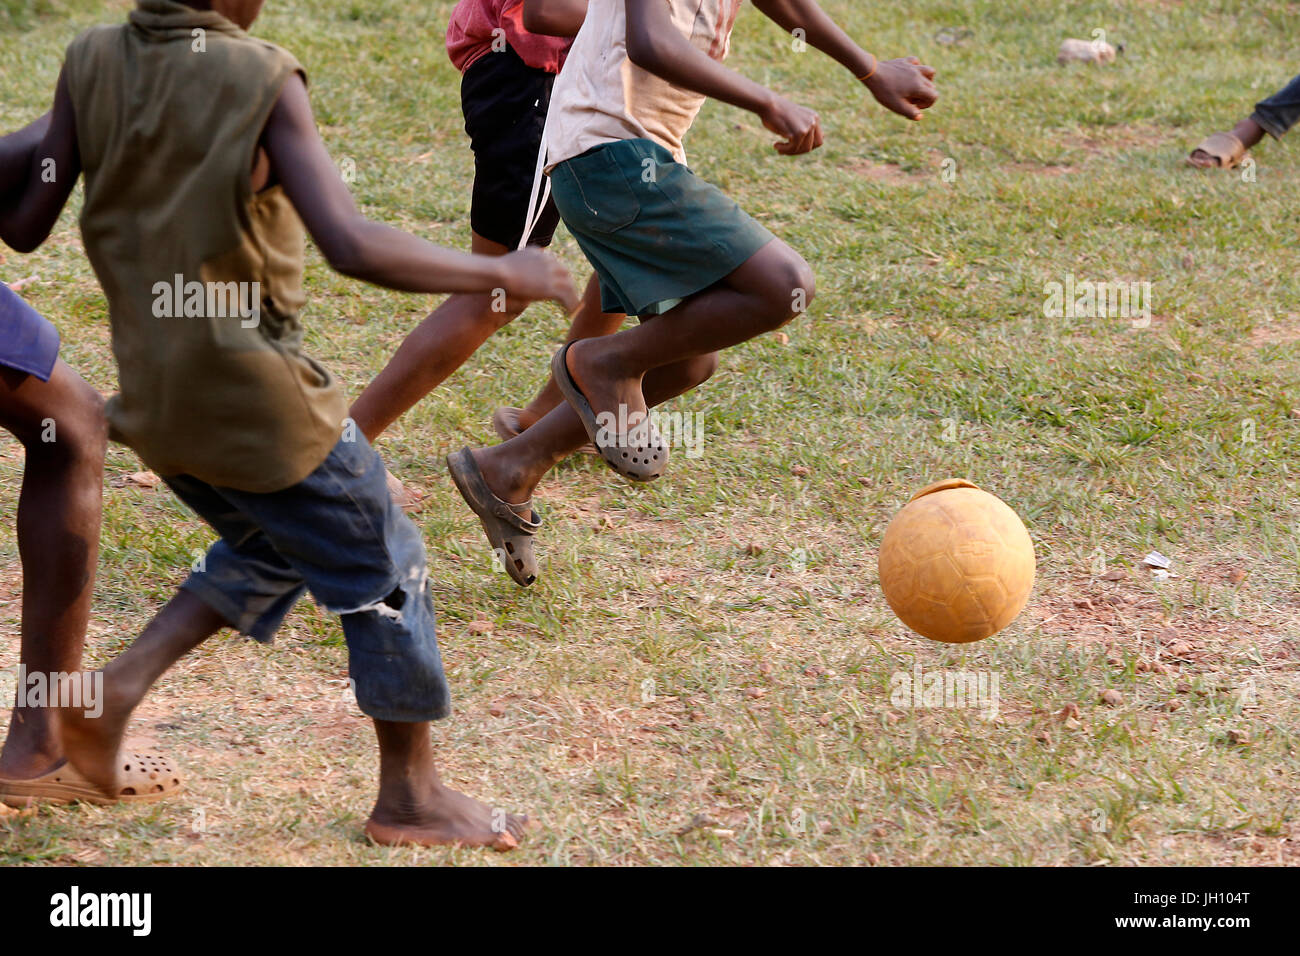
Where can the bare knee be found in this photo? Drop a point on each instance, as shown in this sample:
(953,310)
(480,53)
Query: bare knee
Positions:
(788,291)
(73,436)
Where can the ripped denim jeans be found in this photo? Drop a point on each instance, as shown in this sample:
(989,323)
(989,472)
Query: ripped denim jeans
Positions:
(337,534)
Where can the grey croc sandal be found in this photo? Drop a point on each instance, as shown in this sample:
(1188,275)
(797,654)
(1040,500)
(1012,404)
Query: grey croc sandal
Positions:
(640,454)
(510,528)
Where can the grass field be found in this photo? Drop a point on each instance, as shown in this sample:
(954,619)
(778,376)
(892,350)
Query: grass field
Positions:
(702,675)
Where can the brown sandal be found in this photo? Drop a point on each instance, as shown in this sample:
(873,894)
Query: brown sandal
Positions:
(1224,149)
(510,528)
(143,778)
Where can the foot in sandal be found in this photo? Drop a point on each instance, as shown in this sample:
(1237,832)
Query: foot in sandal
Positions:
(96,769)
(93,744)
(509,526)
(1226,150)
(612,408)
(142,778)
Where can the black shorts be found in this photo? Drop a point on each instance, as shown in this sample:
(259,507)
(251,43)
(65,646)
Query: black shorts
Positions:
(505,102)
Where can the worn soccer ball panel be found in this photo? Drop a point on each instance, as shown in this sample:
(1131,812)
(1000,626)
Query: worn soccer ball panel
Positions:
(956,564)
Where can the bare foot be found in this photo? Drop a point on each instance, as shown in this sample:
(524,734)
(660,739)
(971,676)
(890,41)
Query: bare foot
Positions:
(403,497)
(444,817)
(92,743)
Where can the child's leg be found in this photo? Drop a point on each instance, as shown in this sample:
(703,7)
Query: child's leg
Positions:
(1276,114)
(243,583)
(763,294)
(415,808)
(513,469)
(438,346)
(92,743)
(446,339)
(1273,116)
(590,321)
(61,426)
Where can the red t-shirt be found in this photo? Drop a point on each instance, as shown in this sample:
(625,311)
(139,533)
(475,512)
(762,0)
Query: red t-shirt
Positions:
(474,27)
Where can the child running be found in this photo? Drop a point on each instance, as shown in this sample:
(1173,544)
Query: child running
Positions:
(508,56)
(200,155)
(667,247)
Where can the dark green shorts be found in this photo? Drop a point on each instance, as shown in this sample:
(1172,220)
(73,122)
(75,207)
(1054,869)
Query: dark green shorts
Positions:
(654,231)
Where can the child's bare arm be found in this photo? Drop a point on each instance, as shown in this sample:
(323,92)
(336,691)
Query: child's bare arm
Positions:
(554,18)
(373,252)
(16,150)
(38,193)
(654,44)
(902,85)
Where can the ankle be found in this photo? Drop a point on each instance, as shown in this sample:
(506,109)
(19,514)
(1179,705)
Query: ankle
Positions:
(30,750)
(1249,132)
(503,473)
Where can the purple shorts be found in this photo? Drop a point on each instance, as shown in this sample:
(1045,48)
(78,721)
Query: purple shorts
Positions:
(28,342)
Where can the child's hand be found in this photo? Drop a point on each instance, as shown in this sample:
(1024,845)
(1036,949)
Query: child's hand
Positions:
(800,127)
(535,274)
(904,86)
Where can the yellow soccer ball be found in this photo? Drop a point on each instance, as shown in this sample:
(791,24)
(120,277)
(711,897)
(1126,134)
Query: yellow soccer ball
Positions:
(957,564)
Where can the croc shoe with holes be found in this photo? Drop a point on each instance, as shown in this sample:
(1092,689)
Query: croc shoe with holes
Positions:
(141,778)
(639,454)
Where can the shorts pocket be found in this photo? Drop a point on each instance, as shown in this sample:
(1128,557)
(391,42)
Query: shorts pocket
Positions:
(608,203)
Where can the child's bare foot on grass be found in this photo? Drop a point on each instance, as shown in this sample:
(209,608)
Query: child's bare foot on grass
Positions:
(405,498)
(443,817)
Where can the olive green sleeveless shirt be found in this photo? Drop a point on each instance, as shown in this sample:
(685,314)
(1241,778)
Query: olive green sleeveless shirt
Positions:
(203,277)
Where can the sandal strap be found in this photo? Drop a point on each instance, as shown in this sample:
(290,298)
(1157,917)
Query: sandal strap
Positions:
(506,513)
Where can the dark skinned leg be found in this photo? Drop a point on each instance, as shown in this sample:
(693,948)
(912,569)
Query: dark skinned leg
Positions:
(588,322)
(58,540)
(670,354)
(1248,131)
(92,743)
(415,808)
(760,296)
(513,469)
(438,346)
